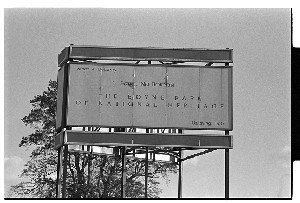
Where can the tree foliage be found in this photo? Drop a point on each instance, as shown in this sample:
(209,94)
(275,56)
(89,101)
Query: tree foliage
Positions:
(88,175)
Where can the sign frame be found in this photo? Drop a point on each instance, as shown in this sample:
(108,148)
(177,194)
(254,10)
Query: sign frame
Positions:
(187,141)
(79,52)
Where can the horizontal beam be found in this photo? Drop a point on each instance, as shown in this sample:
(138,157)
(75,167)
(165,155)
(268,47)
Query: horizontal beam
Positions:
(209,141)
(144,54)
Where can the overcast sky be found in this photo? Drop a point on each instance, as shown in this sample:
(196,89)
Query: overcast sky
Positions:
(260,38)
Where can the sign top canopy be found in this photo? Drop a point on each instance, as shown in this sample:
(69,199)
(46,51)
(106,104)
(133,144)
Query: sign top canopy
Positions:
(79,52)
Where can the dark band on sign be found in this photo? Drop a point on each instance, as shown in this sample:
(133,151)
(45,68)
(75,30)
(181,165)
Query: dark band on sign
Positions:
(145,54)
(194,141)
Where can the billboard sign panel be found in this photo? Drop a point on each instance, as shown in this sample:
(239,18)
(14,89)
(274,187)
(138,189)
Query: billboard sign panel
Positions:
(147,96)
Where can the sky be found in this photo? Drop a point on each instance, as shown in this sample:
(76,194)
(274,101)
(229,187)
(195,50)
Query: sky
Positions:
(260,163)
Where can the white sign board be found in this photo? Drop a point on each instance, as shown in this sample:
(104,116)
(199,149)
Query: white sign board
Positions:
(148,96)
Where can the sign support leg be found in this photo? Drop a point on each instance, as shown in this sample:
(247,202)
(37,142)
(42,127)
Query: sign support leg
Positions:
(180,170)
(65,160)
(146,172)
(226,170)
(58,180)
(123,181)
(227,173)
(180,174)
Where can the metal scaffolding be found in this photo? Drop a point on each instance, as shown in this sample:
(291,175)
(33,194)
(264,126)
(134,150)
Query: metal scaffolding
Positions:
(125,140)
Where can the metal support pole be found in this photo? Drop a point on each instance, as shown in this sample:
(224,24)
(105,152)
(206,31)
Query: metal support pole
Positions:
(180,170)
(226,170)
(65,160)
(146,162)
(146,172)
(123,181)
(227,163)
(58,177)
(226,173)
(89,157)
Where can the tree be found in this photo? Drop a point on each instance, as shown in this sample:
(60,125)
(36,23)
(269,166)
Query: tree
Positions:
(89,175)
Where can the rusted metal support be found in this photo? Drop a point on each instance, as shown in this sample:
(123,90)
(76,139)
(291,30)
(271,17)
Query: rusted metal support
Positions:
(226,170)
(227,173)
(146,172)
(198,154)
(65,160)
(123,157)
(58,180)
(123,180)
(180,171)
(146,161)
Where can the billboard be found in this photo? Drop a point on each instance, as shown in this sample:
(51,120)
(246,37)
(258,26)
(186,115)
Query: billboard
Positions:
(146,96)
